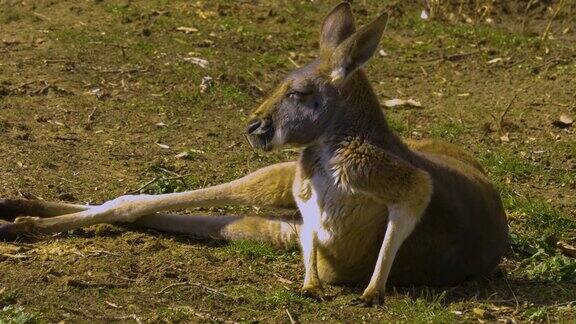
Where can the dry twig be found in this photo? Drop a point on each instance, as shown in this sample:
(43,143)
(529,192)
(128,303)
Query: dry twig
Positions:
(506,110)
(144,186)
(547,30)
(188,283)
(85,284)
(105,318)
(292,320)
(453,57)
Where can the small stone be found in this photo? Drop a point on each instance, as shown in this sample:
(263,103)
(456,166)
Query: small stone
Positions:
(564,121)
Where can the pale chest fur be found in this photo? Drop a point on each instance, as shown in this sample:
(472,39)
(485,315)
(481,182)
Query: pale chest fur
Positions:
(339,217)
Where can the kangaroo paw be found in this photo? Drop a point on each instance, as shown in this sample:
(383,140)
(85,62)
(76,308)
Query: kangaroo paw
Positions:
(11,208)
(22,227)
(9,232)
(314,292)
(369,299)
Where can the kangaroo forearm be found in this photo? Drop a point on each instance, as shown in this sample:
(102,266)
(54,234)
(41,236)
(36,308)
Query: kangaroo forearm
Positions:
(360,166)
(270,186)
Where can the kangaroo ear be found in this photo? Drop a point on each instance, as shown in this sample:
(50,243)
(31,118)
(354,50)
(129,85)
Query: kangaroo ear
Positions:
(357,49)
(337,26)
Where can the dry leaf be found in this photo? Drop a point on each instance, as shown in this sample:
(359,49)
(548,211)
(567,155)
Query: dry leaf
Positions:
(401,102)
(188,153)
(206,83)
(481,313)
(424,15)
(495,60)
(187,30)
(198,61)
(205,14)
(285,281)
(100,93)
(182,155)
(15,256)
(505,138)
(111,304)
(205,43)
(566,248)
(9,42)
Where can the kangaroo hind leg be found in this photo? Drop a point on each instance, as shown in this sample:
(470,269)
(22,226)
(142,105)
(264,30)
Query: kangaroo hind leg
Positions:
(10,209)
(270,186)
(278,231)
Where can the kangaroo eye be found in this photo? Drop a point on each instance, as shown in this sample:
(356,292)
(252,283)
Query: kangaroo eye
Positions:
(298,95)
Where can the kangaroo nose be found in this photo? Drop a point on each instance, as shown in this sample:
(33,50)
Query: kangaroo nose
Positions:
(254,125)
(259,126)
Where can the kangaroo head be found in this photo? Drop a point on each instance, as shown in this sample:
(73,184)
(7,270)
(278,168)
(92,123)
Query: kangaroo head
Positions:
(305,103)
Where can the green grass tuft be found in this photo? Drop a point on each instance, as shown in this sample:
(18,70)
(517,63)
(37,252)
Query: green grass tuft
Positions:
(16,315)
(9,297)
(180,314)
(557,268)
(537,217)
(395,124)
(424,309)
(277,299)
(503,164)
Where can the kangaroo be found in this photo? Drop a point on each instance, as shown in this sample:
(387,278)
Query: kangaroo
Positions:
(374,209)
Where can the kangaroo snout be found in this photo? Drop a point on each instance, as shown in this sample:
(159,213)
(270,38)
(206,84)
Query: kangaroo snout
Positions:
(259,126)
(260,133)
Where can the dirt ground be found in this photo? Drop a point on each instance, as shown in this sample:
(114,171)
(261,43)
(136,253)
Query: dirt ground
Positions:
(101,98)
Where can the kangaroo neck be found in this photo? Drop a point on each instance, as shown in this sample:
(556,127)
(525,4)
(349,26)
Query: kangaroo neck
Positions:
(361,116)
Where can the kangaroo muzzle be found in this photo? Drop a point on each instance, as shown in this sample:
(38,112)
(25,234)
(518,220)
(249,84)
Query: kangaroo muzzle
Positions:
(260,133)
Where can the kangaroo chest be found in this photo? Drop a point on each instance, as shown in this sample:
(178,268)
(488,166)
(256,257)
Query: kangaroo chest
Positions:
(338,217)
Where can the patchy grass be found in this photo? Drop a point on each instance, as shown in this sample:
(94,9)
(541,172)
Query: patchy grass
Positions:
(448,131)
(8,297)
(181,314)
(55,148)
(456,34)
(502,165)
(10,15)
